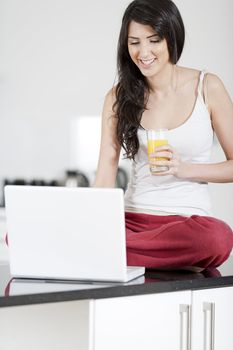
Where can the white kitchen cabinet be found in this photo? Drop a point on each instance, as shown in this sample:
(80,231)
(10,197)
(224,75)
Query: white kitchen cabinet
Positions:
(212,319)
(179,320)
(52,326)
(155,321)
(197,320)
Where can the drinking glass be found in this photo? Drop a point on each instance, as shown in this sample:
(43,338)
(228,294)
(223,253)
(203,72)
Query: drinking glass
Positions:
(156,138)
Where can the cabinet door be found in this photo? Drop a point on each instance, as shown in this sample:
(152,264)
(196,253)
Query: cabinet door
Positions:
(55,326)
(212,319)
(155,321)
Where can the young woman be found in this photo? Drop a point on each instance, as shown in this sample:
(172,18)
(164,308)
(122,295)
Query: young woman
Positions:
(168,216)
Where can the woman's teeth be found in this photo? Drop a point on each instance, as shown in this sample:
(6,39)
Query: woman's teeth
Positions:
(147,62)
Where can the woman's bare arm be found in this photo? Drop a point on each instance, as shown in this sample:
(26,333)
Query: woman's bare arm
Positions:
(109,147)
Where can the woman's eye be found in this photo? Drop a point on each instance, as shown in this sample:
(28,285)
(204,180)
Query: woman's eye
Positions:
(134,43)
(155,41)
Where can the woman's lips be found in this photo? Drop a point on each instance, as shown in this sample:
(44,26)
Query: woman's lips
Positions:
(147,63)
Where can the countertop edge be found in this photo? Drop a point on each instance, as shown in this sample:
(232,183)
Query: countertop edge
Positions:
(117,291)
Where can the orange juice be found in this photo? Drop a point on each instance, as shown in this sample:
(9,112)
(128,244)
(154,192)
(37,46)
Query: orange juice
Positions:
(156,138)
(151,148)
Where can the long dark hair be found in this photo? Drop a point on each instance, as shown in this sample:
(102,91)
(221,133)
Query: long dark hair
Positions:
(132,90)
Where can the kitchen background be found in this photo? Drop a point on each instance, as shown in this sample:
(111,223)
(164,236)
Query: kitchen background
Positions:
(58,60)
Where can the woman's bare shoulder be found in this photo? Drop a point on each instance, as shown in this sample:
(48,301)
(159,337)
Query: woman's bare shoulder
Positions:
(187,75)
(218,95)
(191,74)
(188,72)
(110,99)
(111,94)
(214,82)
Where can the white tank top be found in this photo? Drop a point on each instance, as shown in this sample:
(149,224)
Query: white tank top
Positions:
(193,140)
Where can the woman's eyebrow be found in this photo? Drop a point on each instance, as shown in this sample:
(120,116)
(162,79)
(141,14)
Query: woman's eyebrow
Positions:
(151,36)
(132,37)
(148,37)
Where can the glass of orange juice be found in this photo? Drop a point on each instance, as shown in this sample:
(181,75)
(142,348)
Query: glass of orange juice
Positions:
(156,138)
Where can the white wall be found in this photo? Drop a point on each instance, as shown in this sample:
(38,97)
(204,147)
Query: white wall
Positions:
(57,60)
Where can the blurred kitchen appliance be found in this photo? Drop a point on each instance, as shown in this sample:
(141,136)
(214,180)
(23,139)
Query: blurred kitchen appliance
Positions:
(75,178)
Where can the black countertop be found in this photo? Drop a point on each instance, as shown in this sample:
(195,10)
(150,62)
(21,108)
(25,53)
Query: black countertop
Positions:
(24,292)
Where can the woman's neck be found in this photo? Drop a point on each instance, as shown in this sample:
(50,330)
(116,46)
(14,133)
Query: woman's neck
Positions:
(165,81)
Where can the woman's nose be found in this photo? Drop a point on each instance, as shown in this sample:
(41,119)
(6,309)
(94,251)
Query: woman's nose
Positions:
(144,51)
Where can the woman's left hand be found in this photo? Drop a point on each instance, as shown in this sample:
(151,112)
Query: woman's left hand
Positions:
(172,161)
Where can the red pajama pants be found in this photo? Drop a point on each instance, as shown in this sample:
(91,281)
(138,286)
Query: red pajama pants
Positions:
(175,241)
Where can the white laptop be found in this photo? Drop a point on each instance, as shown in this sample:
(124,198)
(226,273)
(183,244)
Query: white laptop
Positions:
(67,234)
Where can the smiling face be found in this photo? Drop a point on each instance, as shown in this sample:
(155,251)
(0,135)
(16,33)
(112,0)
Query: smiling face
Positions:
(146,49)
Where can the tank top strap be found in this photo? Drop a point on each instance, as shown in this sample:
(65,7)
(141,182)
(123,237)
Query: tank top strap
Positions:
(202,88)
(201,79)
